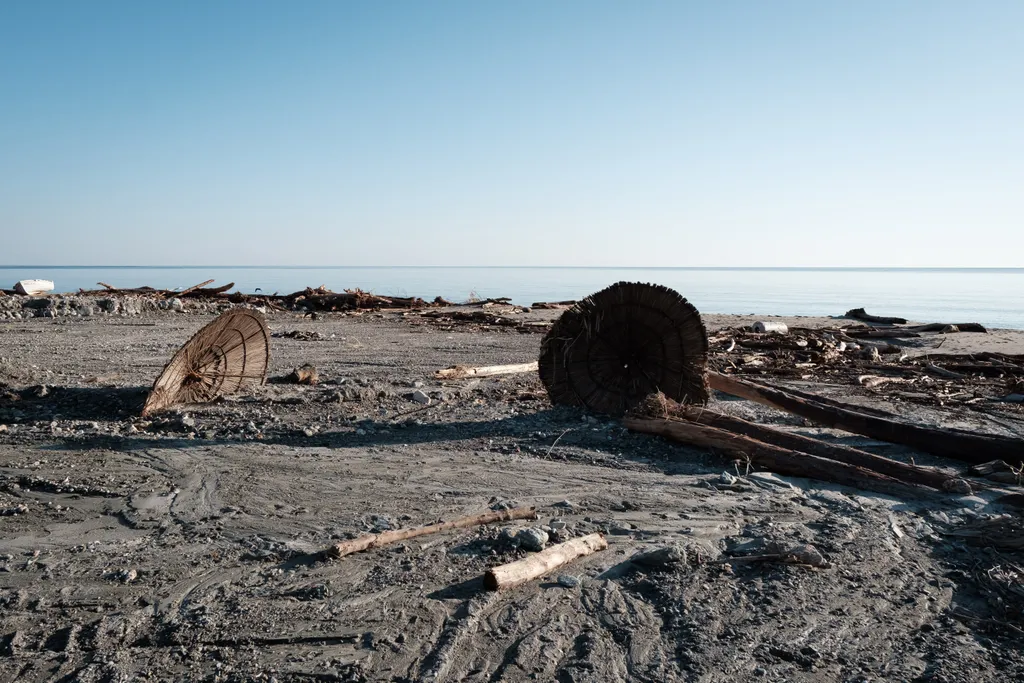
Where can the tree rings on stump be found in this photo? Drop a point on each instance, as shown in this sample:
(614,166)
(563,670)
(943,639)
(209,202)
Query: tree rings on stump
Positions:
(616,347)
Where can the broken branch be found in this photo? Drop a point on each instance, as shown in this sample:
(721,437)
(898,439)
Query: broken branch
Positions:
(370,541)
(461,371)
(516,573)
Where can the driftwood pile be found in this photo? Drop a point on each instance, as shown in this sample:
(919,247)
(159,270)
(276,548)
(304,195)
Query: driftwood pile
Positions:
(854,355)
(308,299)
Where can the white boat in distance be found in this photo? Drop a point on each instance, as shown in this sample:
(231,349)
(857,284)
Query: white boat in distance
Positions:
(33,287)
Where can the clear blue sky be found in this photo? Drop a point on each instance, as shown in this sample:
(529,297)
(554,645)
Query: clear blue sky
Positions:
(877,133)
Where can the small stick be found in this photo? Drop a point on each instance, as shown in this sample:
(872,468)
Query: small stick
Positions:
(516,573)
(370,541)
(104,285)
(461,371)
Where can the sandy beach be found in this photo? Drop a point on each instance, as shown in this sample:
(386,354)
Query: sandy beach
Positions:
(184,546)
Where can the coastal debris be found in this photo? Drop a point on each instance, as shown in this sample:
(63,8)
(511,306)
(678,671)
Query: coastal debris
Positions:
(189,290)
(226,356)
(775,458)
(553,305)
(766,326)
(371,541)
(484,320)
(659,406)
(33,287)
(614,348)
(304,374)
(462,371)
(951,443)
(861,314)
(516,573)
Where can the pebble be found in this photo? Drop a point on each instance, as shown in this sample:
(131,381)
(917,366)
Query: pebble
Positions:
(420,397)
(568,580)
(3,429)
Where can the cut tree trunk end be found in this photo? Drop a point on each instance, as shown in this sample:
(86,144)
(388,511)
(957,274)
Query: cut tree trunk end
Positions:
(539,564)
(370,541)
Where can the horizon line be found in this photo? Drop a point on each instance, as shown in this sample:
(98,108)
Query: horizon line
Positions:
(520,267)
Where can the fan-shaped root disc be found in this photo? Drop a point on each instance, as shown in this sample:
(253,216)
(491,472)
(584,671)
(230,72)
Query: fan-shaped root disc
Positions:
(618,346)
(227,355)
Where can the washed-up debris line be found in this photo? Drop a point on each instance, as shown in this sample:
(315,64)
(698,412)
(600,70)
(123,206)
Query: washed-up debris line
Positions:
(492,316)
(848,355)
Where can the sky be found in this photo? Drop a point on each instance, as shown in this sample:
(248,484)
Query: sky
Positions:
(727,133)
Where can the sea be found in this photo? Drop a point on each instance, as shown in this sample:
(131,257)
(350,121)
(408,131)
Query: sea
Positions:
(993,297)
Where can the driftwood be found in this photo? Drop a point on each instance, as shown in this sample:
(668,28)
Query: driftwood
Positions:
(553,305)
(861,314)
(461,371)
(910,474)
(188,290)
(539,564)
(948,327)
(951,443)
(872,333)
(775,458)
(304,374)
(370,541)
(769,326)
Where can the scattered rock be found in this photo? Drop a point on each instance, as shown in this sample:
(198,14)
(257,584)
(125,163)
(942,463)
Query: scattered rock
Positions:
(532,539)
(568,580)
(304,374)
(420,397)
(660,558)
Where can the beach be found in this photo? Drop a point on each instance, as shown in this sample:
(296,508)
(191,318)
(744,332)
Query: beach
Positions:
(186,545)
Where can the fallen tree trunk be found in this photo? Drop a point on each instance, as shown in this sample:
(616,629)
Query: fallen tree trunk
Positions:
(461,371)
(890,333)
(951,443)
(529,568)
(774,458)
(910,474)
(861,314)
(946,327)
(370,541)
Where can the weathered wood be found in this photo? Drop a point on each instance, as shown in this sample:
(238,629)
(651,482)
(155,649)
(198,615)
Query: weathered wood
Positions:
(770,326)
(104,285)
(529,568)
(461,371)
(187,290)
(861,314)
(891,333)
(945,327)
(207,291)
(943,372)
(370,541)
(911,474)
(951,443)
(775,458)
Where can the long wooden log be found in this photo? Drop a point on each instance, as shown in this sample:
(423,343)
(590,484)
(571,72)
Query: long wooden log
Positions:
(188,290)
(861,314)
(370,541)
(461,371)
(911,474)
(948,327)
(529,568)
(888,333)
(774,458)
(950,443)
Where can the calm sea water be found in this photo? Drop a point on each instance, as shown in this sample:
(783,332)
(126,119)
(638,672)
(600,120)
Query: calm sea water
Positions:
(991,297)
